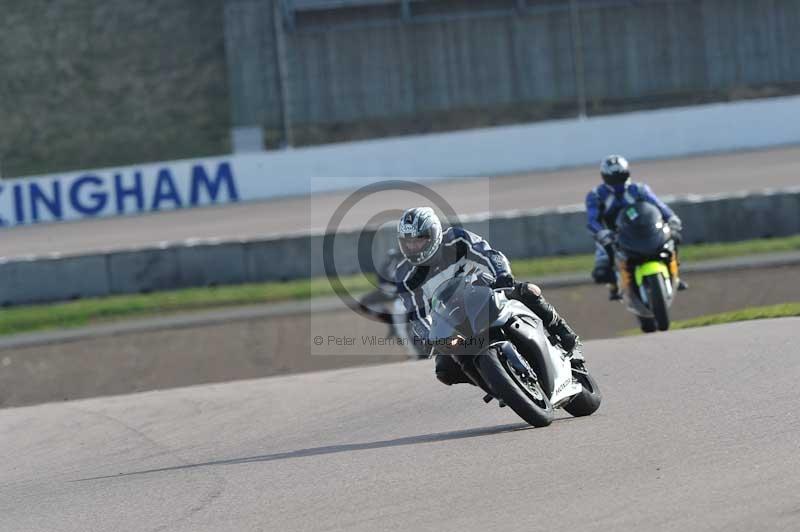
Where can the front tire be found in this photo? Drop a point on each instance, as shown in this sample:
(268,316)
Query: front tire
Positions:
(656,294)
(648,325)
(588,401)
(525,397)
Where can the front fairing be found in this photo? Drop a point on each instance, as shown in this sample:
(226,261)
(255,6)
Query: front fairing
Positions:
(644,245)
(642,232)
(462,311)
(443,328)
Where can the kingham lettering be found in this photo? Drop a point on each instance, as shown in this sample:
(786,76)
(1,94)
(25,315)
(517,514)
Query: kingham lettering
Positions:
(129,192)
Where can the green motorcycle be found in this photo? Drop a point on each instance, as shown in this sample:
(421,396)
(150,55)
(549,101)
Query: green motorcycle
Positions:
(646,264)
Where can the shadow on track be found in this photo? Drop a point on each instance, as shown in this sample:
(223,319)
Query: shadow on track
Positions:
(334,449)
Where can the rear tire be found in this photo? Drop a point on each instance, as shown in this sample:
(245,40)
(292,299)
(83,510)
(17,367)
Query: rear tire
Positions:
(526,399)
(656,293)
(588,401)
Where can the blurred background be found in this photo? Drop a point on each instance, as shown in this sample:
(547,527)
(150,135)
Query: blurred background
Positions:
(170,166)
(91,83)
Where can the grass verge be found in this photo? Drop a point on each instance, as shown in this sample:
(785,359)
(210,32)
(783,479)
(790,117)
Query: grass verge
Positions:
(92,311)
(540,267)
(784,310)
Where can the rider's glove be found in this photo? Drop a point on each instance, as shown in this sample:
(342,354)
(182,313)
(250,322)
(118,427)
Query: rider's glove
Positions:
(676,226)
(503,281)
(604,237)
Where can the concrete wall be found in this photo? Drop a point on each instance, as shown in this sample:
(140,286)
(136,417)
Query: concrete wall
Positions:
(492,151)
(91,83)
(335,75)
(539,233)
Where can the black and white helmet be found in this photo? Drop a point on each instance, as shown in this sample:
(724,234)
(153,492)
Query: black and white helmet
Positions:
(419,234)
(614,170)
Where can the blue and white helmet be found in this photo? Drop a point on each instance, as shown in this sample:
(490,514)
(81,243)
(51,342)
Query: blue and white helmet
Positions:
(615,170)
(419,234)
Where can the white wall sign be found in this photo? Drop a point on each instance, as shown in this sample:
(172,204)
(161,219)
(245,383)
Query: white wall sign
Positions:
(500,150)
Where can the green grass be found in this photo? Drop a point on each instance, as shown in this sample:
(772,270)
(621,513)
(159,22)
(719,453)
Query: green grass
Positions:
(93,311)
(726,250)
(784,310)
(533,268)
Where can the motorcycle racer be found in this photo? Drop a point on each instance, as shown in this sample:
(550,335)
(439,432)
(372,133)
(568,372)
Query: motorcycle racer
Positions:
(603,204)
(434,255)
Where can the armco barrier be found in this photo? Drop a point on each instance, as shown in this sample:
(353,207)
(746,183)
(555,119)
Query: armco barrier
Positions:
(562,231)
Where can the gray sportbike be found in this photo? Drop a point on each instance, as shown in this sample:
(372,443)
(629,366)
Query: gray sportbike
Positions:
(503,347)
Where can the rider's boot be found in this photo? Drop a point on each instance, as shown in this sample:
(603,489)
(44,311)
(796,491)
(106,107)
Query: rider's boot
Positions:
(531,296)
(674,271)
(576,358)
(569,341)
(625,277)
(604,273)
(613,292)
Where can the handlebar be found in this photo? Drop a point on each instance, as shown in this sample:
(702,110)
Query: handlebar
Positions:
(504,289)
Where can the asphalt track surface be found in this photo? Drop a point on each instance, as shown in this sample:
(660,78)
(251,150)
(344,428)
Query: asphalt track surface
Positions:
(699,430)
(776,168)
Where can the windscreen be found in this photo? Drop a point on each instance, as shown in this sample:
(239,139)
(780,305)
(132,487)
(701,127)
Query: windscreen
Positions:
(462,307)
(641,229)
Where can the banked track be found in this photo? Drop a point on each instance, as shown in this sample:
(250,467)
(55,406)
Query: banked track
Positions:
(699,430)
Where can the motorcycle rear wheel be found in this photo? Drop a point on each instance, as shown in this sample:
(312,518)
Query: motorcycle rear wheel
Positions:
(588,401)
(524,396)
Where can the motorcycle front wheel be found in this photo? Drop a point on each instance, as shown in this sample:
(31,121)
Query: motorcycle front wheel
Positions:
(657,294)
(648,325)
(522,393)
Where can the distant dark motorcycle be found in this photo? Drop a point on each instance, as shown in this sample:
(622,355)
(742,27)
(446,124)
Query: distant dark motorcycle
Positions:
(503,347)
(644,249)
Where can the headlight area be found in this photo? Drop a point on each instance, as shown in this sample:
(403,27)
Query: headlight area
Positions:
(460,343)
(453,341)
